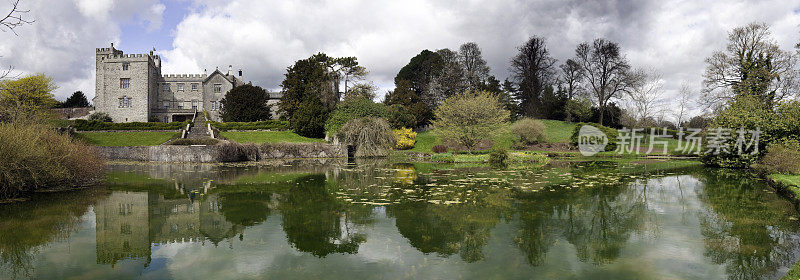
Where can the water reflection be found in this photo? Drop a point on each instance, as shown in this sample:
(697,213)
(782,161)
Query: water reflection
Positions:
(564,220)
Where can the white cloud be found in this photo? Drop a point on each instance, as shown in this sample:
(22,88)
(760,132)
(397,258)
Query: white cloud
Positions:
(154,16)
(62,39)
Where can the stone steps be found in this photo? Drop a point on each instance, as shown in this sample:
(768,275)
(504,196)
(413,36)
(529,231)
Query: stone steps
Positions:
(199,128)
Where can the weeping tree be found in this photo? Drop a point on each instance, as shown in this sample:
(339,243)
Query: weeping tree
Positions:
(371,136)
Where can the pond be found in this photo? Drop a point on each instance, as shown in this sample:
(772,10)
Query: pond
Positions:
(374,219)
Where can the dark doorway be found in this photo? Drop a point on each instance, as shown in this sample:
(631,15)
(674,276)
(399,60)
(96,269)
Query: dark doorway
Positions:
(351,151)
(181,118)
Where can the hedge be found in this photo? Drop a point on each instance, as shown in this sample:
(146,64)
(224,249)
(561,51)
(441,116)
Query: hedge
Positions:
(263,125)
(84,125)
(610,133)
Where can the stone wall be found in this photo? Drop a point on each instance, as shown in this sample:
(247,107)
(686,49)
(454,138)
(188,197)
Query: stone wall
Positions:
(68,113)
(300,150)
(162,153)
(170,153)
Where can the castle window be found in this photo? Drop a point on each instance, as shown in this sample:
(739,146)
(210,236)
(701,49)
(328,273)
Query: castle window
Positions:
(180,87)
(194,87)
(126,66)
(165,87)
(166,104)
(217,88)
(213,105)
(124,83)
(124,102)
(194,104)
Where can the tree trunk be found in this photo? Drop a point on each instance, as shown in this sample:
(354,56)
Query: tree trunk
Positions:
(602,113)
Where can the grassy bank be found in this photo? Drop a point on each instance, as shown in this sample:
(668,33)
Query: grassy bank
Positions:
(133,138)
(558,132)
(792,184)
(259,137)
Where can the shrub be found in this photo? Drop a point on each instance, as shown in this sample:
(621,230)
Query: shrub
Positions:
(309,119)
(529,131)
(778,125)
(198,141)
(353,109)
(610,133)
(245,103)
(84,125)
(498,156)
(235,152)
(36,158)
(274,125)
(470,117)
(100,117)
(439,149)
(781,158)
(442,157)
(405,138)
(372,137)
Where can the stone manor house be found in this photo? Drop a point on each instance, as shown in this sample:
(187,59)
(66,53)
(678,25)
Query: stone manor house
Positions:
(131,88)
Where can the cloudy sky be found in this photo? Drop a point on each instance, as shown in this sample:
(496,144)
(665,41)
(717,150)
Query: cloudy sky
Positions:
(264,37)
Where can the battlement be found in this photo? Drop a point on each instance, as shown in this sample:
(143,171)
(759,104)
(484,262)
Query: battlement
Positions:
(187,76)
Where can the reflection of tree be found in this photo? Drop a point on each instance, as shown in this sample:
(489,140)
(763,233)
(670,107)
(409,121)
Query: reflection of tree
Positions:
(246,209)
(315,222)
(28,225)
(597,220)
(449,229)
(747,228)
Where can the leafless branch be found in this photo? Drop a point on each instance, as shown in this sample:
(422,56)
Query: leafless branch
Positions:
(14,18)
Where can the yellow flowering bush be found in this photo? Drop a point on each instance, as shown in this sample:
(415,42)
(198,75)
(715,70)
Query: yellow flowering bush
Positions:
(405,138)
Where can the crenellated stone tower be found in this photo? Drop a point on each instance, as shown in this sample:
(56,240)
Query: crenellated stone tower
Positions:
(131,88)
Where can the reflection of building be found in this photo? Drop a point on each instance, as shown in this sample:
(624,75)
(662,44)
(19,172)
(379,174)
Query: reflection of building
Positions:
(121,225)
(127,223)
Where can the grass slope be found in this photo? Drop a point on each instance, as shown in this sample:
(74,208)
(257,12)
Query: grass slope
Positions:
(557,132)
(259,137)
(133,138)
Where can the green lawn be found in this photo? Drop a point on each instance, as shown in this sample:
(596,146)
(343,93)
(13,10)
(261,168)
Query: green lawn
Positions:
(557,132)
(259,137)
(127,138)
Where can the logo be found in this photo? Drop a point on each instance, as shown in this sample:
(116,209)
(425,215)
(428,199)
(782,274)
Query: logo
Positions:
(591,140)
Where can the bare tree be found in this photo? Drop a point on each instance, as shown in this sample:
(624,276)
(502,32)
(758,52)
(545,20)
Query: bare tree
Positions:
(752,63)
(449,81)
(646,101)
(571,78)
(685,96)
(13,19)
(532,70)
(474,66)
(605,71)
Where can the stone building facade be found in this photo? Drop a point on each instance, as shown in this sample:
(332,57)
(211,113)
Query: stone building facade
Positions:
(131,88)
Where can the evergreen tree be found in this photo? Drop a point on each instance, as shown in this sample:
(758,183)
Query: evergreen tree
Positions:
(78,99)
(245,103)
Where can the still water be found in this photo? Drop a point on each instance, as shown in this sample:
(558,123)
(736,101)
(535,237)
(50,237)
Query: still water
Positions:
(378,220)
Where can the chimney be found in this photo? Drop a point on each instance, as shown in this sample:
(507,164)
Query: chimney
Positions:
(240,72)
(230,69)
(112,45)
(204,72)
